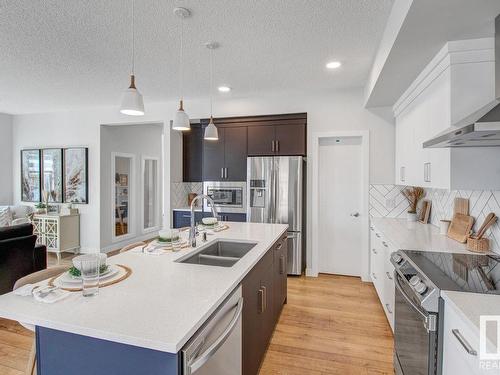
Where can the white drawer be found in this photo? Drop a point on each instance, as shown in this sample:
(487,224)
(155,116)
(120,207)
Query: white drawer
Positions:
(456,359)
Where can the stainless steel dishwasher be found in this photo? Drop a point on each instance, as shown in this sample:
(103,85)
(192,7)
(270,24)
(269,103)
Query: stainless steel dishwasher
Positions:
(216,347)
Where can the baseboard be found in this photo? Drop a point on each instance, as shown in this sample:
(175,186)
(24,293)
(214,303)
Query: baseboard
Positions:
(310,273)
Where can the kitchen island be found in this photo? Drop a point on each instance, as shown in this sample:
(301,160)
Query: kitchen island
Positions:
(141,324)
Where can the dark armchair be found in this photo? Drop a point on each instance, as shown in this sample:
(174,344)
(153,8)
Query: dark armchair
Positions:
(19,255)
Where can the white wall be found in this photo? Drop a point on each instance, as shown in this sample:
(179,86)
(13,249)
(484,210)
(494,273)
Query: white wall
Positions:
(327,111)
(80,128)
(143,140)
(6,159)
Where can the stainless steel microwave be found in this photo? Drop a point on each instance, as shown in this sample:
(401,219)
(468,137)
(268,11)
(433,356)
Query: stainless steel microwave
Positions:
(228,196)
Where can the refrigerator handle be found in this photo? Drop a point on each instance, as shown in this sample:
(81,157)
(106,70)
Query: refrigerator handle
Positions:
(276,170)
(272,200)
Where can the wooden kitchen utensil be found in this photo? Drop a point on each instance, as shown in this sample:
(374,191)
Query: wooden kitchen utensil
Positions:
(425,211)
(461,206)
(488,222)
(460,227)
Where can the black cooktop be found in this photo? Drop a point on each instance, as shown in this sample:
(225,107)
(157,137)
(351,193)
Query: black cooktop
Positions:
(459,272)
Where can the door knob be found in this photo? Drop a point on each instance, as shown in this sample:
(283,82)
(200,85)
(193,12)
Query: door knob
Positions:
(355,214)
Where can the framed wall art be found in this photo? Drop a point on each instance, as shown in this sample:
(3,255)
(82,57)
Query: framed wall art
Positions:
(31,186)
(76,175)
(52,174)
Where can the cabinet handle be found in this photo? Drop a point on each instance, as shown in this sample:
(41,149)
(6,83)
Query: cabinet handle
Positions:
(264,298)
(222,173)
(373,276)
(277,146)
(282,265)
(186,215)
(378,235)
(375,251)
(427,172)
(463,342)
(261,299)
(272,146)
(385,244)
(389,275)
(225,173)
(388,308)
(402,174)
(280,245)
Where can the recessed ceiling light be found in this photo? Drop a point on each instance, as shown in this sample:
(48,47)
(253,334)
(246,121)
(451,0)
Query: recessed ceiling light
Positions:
(333,64)
(224,88)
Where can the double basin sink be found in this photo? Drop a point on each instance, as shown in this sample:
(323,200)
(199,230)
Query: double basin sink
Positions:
(222,253)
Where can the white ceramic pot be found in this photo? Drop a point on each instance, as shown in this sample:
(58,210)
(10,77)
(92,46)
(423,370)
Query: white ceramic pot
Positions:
(411,217)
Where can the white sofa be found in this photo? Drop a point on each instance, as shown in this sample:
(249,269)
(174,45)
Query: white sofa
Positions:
(14,215)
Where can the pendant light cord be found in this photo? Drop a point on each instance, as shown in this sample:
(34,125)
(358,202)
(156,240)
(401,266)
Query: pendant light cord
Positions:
(211,81)
(181,61)
(133,36)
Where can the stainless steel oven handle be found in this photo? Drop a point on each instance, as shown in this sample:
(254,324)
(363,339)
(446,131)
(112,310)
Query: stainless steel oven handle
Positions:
(212,349)
(463,342)
(430,322)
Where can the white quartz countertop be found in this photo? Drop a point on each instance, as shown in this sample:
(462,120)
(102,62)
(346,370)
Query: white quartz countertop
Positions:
(471,306)
(416,236)
(160,306)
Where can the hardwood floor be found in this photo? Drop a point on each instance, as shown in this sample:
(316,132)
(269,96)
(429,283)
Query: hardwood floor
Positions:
(331,325)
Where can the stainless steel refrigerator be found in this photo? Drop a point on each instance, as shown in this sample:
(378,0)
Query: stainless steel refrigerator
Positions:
(275,194)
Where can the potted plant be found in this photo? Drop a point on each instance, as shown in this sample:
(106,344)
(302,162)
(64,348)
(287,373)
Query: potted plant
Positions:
(41,208)
(413,195)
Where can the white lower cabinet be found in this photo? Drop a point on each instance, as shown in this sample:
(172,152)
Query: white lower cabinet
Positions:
(461,347)
(381,271)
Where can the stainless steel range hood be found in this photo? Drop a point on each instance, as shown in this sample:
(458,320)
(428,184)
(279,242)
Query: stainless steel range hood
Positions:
(482,128)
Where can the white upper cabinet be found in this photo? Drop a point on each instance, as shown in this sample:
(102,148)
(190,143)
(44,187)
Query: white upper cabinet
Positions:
(458,81)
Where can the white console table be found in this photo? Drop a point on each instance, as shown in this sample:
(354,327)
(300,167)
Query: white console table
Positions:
(58,232)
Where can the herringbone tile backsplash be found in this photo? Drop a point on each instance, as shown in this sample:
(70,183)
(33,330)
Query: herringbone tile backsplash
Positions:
(179,192)
(388,201)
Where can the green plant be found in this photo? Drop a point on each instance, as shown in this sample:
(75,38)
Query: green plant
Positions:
(73,271)
(40,205)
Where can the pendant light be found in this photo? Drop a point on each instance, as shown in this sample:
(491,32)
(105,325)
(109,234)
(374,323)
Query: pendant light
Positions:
(211,133)
(181,119)
(132,102)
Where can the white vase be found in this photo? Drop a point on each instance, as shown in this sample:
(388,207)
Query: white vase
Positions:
(411,217)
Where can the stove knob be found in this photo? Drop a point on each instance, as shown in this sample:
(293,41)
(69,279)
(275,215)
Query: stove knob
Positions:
(414,280)
(420,288)
(397,258)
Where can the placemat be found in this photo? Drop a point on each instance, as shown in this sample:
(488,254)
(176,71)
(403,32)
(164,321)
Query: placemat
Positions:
(126,274)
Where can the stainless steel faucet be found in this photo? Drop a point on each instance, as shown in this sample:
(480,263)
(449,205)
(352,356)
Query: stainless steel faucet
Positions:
(192,230)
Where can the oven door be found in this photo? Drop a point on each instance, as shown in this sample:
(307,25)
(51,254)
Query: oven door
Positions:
(415,334)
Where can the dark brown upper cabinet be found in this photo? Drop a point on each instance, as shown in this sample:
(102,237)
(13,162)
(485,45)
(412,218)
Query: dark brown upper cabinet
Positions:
(235,153)
(192,149)
(226,158)
(278,135)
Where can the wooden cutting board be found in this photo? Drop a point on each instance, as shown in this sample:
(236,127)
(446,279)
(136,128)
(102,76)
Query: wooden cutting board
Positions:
(461,206)
(460,227)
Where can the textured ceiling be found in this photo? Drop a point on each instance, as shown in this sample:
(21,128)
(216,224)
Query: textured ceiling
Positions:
(65,54)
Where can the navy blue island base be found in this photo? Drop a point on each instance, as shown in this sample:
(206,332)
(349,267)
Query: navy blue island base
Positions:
(63,353)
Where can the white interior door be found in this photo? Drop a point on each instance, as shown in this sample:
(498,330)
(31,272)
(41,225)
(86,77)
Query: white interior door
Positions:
(340,205)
